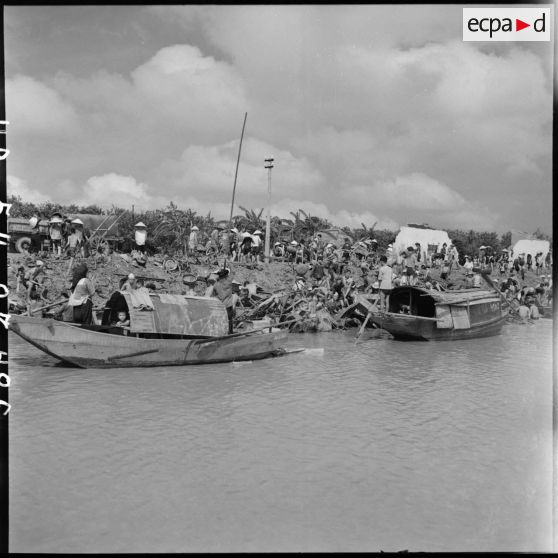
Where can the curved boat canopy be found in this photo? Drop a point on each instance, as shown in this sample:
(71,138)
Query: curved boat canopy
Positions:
(458,309)
(177,314)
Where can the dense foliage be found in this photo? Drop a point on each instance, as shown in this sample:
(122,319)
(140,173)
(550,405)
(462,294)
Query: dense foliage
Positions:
(169,227)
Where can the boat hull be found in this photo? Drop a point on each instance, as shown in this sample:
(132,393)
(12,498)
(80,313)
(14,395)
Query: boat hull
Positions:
(92,349)
(415,328)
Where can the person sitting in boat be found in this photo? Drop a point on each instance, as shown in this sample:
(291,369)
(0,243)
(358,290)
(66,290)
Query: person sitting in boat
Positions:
(123,321)
(80,300)
(116,304)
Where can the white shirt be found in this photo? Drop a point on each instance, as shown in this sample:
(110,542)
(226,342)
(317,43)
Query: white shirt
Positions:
(256,240)
(83,291)
(384,277)
(141,236)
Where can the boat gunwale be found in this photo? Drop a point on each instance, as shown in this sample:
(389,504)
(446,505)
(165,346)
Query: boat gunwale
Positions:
(272,338)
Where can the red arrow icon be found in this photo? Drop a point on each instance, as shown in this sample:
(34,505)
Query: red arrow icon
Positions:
(519,25)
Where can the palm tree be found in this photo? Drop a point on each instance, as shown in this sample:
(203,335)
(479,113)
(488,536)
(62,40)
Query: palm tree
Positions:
(250,219)
(173,228)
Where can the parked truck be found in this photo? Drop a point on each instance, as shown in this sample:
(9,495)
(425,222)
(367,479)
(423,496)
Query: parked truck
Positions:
(29,235)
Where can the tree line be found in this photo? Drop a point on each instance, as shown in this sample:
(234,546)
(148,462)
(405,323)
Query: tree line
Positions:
(168,228)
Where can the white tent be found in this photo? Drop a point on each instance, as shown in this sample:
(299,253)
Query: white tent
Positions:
(431,240)
(532,247)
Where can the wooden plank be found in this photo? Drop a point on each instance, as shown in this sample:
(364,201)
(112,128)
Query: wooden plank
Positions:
(460,317)
(443,315)
(184,316)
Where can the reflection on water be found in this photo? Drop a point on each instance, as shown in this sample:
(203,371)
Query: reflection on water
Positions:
(380,445)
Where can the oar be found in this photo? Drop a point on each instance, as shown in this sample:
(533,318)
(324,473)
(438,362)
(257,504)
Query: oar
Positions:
(488,279)
(48,306)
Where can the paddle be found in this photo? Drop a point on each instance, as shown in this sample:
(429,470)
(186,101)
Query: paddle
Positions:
(488,279)
(48,306)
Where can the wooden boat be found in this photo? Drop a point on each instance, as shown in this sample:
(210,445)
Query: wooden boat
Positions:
(179,330)
(416,313)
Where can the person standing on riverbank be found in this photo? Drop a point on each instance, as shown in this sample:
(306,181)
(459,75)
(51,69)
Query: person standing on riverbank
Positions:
(81,237)
(140,237)
(233,244)
(245,247)
(72,243)
(256,245)
(193,240)
(55,233)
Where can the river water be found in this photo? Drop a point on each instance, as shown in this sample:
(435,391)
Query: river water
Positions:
(380,445)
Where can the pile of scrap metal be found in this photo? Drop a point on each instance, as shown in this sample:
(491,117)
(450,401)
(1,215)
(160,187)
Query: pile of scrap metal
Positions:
(304,310)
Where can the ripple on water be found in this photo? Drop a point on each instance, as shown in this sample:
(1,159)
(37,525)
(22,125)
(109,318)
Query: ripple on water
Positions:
(378,445)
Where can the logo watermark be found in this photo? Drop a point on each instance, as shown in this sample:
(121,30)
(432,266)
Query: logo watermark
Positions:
(507,24)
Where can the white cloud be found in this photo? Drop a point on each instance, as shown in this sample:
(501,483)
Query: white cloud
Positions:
(341,218)
(209,171)
(114,189)
(416,192)
(18,187)
(383,96)
(34,108)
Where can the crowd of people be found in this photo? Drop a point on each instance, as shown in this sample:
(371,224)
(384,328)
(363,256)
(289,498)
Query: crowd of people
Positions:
(326,273)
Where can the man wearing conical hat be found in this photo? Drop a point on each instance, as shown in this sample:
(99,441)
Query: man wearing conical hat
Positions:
(55,233)
(140,236)
(193,240)
(80,237)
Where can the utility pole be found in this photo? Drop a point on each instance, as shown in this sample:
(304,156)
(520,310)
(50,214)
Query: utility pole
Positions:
(268,166)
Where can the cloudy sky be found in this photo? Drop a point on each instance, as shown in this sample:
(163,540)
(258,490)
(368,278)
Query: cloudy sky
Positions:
(372,113)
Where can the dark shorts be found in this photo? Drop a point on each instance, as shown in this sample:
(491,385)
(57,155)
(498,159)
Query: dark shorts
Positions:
(410,271)
(255,249)
(385,291)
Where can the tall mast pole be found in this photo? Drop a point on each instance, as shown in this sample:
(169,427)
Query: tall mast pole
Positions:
(236,171)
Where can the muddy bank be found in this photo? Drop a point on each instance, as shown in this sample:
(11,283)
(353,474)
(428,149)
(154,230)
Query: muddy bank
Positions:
(107,271)
(160,275)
